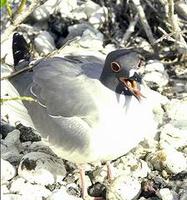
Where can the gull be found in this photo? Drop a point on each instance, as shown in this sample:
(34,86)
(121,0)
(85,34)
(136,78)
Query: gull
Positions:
(88,112)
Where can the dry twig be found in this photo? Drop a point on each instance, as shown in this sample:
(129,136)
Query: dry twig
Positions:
(19,19)
(18,98)
(29,67)
(144,21)
(173,20)
(130,29)
(168,36)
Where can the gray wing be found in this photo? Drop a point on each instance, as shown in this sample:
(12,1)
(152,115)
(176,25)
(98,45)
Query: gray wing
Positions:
(63,88)
(67,110)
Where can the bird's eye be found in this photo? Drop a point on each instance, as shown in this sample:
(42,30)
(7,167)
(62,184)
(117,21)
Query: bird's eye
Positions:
(115,67)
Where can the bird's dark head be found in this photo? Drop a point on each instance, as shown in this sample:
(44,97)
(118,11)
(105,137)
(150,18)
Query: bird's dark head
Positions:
(120,72)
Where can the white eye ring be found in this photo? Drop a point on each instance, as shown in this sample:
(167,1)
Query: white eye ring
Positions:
(115,67)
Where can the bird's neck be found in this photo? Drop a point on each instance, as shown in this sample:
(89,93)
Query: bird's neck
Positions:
(109,81)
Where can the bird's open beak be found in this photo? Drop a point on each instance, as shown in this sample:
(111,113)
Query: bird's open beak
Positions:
(132,86)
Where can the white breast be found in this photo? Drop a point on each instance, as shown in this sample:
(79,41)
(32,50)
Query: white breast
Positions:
(123,123)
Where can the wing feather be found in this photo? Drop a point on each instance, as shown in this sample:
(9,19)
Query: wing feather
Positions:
(63,88)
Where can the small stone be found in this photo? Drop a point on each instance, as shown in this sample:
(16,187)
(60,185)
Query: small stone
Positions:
(180,177)
(13,137)
(123,187)
(73,189)
(167,158)
(155,74)
(13,197)
(165,194)
(84,29)
(131,166)
(59,194)
(143,44)
(8,171)
(98,18)
(44,43)
(27,190)
(97,190)
(45,10)
(181,9)
(154,65)
(183,194)
(26,145)
(172,136)
(4,189)
(100,173)
(179,86)
(78,14)
(40,147)
(155,79)
(10,147)
(177,112)
(37,167)
(27,134)
(91,40)
(65,7)
(90,8)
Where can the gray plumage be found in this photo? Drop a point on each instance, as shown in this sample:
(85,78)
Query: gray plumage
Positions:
(78,110)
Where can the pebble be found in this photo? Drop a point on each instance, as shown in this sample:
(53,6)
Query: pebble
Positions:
(4,188)
(44,43)
(41,168)
(11,146)
(154,65)
(123,188)
(177,112)
(155,74)
(8,171)
(98,18)
(62,193)
(65,7)
(172,136)
(179,87)
(183,194)
(27,190)
(86,29)
(45,10)
(165,194)
(13,138)
(90,8)
(130,165)
(143,44)
(28,134)
(181,9)
(166,158)
(91,40)
(40,147)
(13,197)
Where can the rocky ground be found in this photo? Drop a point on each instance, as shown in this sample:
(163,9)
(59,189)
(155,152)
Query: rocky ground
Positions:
(153,170)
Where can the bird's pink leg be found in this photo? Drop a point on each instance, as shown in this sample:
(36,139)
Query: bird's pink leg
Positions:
(82,179)
(84,192)
(109,172)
